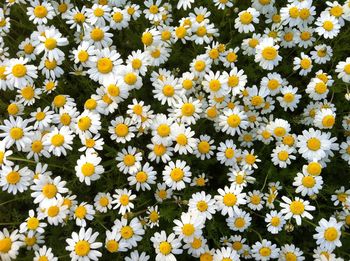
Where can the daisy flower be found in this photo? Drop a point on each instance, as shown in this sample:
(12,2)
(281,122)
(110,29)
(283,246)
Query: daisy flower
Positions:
(232,121)
(264,250)
(343,70)
(143,178)
(290,98)
(328,233)
(13,179)
(304,63)
(166,247)
(229,200)
(83,245)
(307,184)
(103,202)
(16,131)
(275,221)
(327,26)
(225,253)
(202,204)
(40,12)
(10,244)
(246,19)
(46,191)
(297,209)
(32,224)
(267,54)
(44,253)
(123,200)
(83,212)
(59,140)
(49,43)
(176,175)
(129,160)
(88,168)
(240,221)
(130,232)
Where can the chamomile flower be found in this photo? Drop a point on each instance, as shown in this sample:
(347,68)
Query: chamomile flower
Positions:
(328,233)
(233,120)
(16,131)
(275,221)
(49,43)
(282,156)
(123,200)
(10,244)
(56,213)
(327,26)
(246,20)
(204,147)
(189,226)
(290,98)
(145,177)
(343,70)
(317,89)
(129,160)
(240,221)
(32,224)
(176,175)
(315,145)
(88,168)
(40,12)
(322,54)
(264,250)
(129,232)
(229,199)
(267,54)
(202,204)
(166,247)
(59,140)
(297,209)
(225,254)
(215,84)
(47,190)
(44,253)
(19,73)
(14,179)
(83,245)
(307,184)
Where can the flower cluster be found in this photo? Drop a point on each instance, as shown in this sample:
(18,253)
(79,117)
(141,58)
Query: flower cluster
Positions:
(164,130)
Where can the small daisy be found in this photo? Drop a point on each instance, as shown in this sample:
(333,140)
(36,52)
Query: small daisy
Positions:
(123,200)
(275,221)
(298,208)
(176,175)
(267,54)
(83,245)
(129,160)
(83,212)
(166,247)
(13,179)
(265,250)
(328,233)
(229,200)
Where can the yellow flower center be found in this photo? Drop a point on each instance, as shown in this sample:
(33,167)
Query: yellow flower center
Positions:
(269,53)
(50,43)
(203,147)
(141,176)
(250,159)
(79,18)
(214,85)
(5,245)
(112,246)
(104,65)
(40,11)
(130,78)
(328,121)
(239,222)
(129,160)
(233,120)
(127,232)
(331,234)
(199,66)
(265,251)
(57,140)
(165,248)
(294,12)
(163,130)
(53,211)
(33,223)
(188,229)
(283,155)
(19,70)
(159,149)
(305,63)
(308,181)
(88,169)
(13,177)
(82,248)
(246,18)
(202,205)
(168,90)
(49,190)
(297,207)
(255,199)
(275,221)
(201,31)
(328,25)
(97,34)
(177,174)
(314,144)
(16,133)
(230,199)
(80,212)
(147,38)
